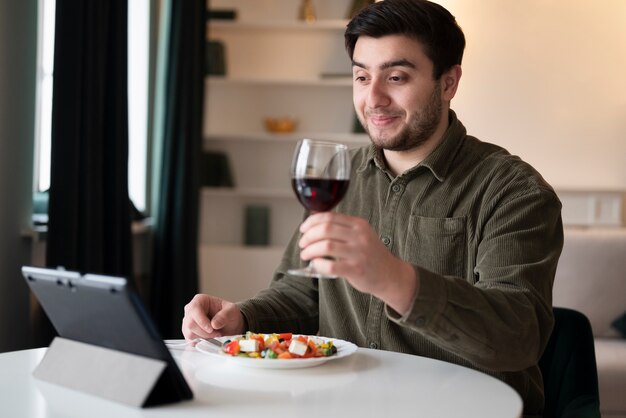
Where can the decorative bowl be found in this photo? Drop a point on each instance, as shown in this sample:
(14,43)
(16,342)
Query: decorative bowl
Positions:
(280,125)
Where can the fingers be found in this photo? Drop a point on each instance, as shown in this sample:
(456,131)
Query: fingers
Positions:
(326,226)
(333,235)
(348,247)
(208,316)
(198,314)
(196,323)
(229,320)
(326,217)
(344,246)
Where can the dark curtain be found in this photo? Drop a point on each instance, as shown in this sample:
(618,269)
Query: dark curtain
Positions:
(179,138)
(89,227)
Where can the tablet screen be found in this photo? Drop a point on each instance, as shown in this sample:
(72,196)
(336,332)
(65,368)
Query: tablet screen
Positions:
(103,311)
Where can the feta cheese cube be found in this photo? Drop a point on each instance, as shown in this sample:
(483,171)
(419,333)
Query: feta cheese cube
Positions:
(297,347)
(248,346)
(317,340)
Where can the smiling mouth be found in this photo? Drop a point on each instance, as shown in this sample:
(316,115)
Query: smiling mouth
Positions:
(382,120)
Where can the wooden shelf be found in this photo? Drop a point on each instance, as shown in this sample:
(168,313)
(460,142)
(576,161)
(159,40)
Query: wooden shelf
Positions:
(291,138)
(247,192)
(324,24)
(342,81)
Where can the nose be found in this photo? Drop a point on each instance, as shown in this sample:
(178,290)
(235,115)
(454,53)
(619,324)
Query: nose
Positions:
(377,95)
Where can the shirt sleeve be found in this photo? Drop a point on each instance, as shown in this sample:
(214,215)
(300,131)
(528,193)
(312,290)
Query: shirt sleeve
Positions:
(502,319)
(290,304)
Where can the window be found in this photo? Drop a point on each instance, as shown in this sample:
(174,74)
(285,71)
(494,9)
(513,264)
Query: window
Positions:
(138,65)
(44,99)
(138,87)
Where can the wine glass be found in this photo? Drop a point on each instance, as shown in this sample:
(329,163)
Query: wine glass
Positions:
(320,174)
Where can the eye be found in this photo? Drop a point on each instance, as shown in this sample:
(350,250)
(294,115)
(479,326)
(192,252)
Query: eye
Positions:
(397,78)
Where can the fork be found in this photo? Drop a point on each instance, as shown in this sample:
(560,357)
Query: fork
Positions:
(193,342)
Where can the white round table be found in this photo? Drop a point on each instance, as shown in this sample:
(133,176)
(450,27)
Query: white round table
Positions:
(369,383)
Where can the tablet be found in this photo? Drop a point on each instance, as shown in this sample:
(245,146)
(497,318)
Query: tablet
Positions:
(106,312)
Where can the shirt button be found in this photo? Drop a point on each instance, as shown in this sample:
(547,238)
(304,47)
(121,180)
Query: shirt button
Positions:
(396,188)
(373,345)
(386,241)
(420,321)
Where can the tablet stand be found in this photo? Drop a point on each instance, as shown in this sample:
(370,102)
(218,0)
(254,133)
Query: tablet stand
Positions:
(103,372)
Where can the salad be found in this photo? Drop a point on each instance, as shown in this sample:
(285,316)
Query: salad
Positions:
(278,346)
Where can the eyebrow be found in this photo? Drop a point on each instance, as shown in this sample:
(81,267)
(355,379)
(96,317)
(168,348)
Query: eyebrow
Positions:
(386,65)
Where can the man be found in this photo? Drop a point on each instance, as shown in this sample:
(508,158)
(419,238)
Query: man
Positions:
(447,246)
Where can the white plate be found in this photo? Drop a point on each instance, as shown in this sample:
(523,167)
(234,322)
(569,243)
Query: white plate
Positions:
(344,349)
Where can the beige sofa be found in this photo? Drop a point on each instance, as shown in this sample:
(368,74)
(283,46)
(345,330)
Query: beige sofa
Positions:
(591,278)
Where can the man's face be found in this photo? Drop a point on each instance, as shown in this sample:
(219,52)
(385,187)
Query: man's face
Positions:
(395,96)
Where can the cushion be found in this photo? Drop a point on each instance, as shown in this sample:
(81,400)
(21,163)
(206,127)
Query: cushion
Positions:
(591,276)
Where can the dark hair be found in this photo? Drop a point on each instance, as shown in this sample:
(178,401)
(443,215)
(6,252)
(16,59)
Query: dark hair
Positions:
(424,21)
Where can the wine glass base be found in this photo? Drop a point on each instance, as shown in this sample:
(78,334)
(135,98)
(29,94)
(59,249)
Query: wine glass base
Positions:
(310,272)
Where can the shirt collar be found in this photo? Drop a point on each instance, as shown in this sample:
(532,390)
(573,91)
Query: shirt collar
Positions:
(441,159)
(438,162)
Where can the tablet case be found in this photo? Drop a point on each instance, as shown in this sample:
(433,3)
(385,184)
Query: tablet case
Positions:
(101,317)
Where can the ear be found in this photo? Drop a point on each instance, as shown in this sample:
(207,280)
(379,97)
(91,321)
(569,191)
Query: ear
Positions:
(450,82)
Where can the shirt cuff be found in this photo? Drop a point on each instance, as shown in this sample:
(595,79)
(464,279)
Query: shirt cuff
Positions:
(245,309)
(428,304)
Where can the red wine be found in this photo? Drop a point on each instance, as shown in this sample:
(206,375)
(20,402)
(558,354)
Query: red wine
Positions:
(317,194)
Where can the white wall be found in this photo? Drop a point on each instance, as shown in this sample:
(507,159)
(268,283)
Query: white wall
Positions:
(546,79)
(18,30)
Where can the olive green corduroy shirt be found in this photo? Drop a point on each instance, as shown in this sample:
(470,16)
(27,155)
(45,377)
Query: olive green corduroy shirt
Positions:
(484,232)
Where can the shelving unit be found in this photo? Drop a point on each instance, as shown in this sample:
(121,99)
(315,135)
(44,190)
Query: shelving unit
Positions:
(292,138)
(276,66)
(344,81)
(325,24)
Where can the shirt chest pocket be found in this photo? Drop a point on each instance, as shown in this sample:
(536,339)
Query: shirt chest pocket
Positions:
(437,244)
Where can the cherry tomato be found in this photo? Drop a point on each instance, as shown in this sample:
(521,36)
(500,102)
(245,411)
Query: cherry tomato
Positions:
(285,336)
(232,348)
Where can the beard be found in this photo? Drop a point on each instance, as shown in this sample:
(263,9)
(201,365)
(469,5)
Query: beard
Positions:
(420,127)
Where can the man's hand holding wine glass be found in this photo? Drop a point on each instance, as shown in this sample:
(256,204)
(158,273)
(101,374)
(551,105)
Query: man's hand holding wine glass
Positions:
(320,175)
(348,247)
